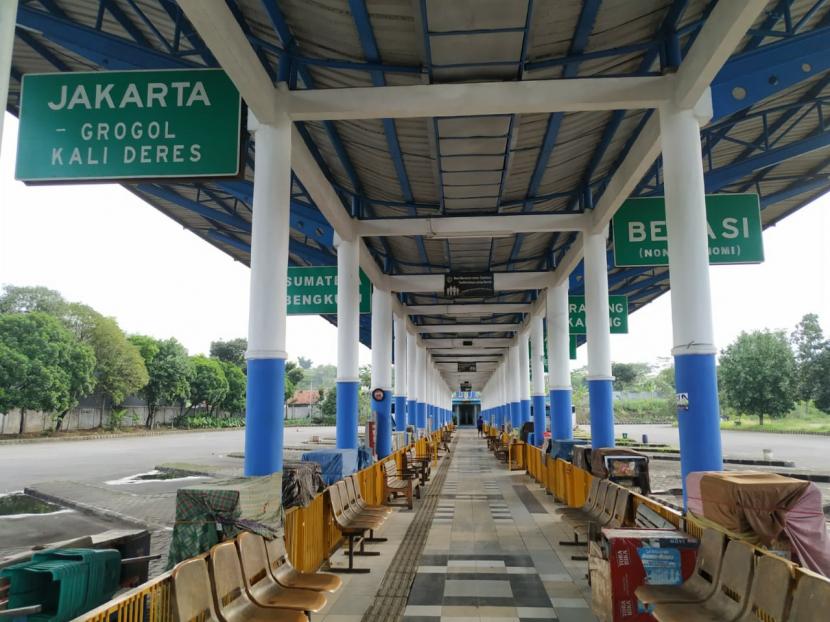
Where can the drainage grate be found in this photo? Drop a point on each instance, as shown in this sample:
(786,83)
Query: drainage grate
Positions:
(391,597)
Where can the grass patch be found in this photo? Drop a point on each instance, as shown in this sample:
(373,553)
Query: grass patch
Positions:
(18,503)
(800,420)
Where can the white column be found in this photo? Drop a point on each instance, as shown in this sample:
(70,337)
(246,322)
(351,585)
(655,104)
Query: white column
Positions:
(598,327)
(537,360)
(559,364)
(524,376)
(267,307)
(8,19)
(412,379)
(694,349)
(348,335)
(382,368)
(400,372)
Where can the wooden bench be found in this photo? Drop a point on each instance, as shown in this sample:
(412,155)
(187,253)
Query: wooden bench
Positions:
(414,465)
(731,594)
(394,486)
(770,591)
(703,580)
(646,518)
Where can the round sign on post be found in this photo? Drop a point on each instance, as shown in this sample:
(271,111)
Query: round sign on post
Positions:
(378,395)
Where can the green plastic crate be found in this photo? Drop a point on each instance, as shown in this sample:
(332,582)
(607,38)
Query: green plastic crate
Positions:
(104,571)
(59,586)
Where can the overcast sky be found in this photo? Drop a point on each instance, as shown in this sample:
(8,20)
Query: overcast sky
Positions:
(101,245)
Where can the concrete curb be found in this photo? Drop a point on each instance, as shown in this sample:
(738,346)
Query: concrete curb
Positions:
(804,433)
(102,436)
(746,461)
(91,509)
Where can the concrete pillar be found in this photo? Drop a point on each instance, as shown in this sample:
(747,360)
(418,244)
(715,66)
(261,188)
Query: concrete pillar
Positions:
(524,378)
(382,369)
(412,379)
(400,373)
(537,372)
(8,19)
(421,379)
(598,327)
(559,363)
(348,335)
(694,345)
(514,373)
(267,307)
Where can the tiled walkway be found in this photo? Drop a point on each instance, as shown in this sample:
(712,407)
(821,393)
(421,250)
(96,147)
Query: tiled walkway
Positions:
(492,552)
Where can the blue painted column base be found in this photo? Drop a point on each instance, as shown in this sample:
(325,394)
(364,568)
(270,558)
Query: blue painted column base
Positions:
(382,411)
(400,413)
(422,416)
(524,409)
(411,412)
(346,432)
(699,424)
(264,416)
(538,419)
(601,400)
(561,420)
(515,414)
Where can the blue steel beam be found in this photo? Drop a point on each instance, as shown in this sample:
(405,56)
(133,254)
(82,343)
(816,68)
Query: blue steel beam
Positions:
(584,26)
(360,15)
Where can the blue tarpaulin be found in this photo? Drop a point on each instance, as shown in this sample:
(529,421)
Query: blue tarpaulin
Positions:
(336,463)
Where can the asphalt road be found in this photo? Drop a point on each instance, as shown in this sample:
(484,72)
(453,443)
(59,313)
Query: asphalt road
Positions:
(809,452)
(106,459)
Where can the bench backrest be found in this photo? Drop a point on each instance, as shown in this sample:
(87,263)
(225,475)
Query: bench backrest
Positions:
(649,519)
(277,555)
(390,469)
(608,506)
(591,499)
(228,584)
(731,595)
(770,590)
(336,505)
(811,599)
(620,513)
(253,558)
(353,486)
(346,499)
(602,494)
(192,592)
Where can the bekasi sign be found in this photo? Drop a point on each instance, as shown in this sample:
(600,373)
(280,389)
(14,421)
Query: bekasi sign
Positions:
(641,237)
(617,312)
(313,291)
(129,125)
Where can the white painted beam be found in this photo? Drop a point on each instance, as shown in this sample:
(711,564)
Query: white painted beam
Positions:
(477,343)
(479,351)
(467,328)
(469,309)
(472,226)
(723,30)
(482,98)
(502,281)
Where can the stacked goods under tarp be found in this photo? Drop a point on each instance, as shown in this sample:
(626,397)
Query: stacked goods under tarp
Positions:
(301,481)
(765,508)
(336,463)
(208,513)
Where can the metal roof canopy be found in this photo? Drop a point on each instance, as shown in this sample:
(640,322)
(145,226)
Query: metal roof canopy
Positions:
(472,135)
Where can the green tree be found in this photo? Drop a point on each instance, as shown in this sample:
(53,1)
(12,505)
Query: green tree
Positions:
(231,351)
(627,375)
(294,373)
(822,394)
(16,299)
(808,343)
(234,401)
(304,362)
(758,374)
(208,384)
(329,406)
(290,388)
(44,367)
(365,376)
(169,370)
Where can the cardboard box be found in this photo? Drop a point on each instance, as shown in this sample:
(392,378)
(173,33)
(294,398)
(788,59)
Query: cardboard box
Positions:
(628,558)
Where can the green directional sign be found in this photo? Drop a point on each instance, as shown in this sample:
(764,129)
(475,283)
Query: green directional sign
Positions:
(573,347)
(313,291)
(617,311)
(129,125)
(641,239)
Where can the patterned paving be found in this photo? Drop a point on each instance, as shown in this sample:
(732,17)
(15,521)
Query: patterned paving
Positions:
(492,550)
